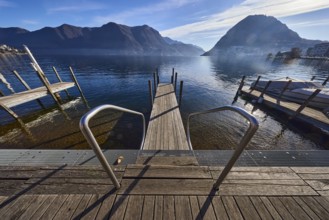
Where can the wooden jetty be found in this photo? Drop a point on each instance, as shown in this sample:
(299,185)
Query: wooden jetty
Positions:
(12,100)
(165,130)
(153,185)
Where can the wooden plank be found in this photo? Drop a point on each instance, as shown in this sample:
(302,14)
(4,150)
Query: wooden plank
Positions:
(54,207)
(71,188)
(314,176)
(282,210)
(2,199)
(266,182)
(167,172)
(15,209)
(166,186)
(316,207)
(195,208)
(33,94)
(260,207)
(274,213)
(168,207)
(258,175)
(67,209)
(67,180)
(182,207)
(92,207)
(134,207)
(148,208)
(306,208)
(79,211)
(219,208)
(175,161)
(255,169)
(265,190)
(206,208)
(105,209)
(73,174)
(119,207)
(246,207)
(158,207)
(40,199)
(313,170)
(322,184)
(41,210)
(231,207)
(323,201)
(295,210)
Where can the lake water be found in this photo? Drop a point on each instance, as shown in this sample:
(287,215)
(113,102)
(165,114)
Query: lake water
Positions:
(123,81)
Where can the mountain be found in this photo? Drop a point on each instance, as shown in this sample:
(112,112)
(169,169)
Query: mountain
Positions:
(261,34)
(112,38)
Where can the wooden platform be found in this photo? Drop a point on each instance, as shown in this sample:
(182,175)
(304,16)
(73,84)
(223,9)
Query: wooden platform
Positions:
(165,130)
(163,192)
(308,115)
(33,94)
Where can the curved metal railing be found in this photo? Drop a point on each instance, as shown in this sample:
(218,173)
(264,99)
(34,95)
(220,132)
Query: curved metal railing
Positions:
(84,127)
(253,126)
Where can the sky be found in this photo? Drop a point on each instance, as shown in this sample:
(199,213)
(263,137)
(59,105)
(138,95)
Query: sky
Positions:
(199,22)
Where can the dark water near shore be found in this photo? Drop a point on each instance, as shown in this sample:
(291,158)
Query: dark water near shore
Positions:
(122,81)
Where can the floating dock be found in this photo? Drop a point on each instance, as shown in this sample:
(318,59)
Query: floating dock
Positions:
(176,183)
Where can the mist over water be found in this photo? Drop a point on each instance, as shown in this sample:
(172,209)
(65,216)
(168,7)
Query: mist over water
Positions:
(122,81)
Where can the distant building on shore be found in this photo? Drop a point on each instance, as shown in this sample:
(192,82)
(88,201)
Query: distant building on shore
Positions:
(319,50)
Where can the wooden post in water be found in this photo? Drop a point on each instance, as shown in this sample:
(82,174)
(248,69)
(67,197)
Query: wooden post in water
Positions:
(254,86)
(325,82)
(172,75)
(260,98)
(158,79)
(317,91)
(180,93)
(43,77)
(60,80)
(154,83)
(151,93)
(175,82)
(239,89)
(1,93)
(27,87)
(284,89)
(78,86)
(313,77)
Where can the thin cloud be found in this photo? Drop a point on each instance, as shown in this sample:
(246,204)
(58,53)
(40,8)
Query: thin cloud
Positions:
(313,23)
(79,7)
(140,11)
(31,22)
(228,18)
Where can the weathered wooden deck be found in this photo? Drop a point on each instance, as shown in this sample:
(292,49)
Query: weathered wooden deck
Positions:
(308,115)
(33,94)
(163,192)
(165,130)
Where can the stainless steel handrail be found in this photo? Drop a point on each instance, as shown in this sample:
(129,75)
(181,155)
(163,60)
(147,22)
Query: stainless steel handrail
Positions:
(84,127)
(253,126)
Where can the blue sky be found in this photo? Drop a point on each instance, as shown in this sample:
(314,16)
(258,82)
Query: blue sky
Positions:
(201,22)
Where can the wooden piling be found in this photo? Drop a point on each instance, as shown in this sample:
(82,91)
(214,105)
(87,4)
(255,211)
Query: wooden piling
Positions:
(60,80)
(313,77)
(42,76)
(325,81)
(172,75)
(175,82)
(317,91)
(239,89)
(27,87)
(78,86)
(180,93)
(154,82)
(1,93)
(151,93)
(263,92)
(254,86)
(284,89)
(158,79)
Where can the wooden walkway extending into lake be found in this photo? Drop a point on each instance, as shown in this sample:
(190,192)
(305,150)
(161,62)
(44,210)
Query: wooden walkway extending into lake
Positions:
(308,115)
(165,130)
(163,192)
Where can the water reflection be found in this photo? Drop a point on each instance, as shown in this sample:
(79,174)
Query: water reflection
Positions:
(122,81)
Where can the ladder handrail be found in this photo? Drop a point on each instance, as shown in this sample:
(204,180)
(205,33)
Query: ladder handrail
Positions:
(253,126)
(84,127)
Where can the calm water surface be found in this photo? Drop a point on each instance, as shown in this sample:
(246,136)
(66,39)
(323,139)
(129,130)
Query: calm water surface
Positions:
(122,81)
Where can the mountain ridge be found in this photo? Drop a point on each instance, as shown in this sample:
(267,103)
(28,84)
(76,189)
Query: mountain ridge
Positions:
(116,38)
